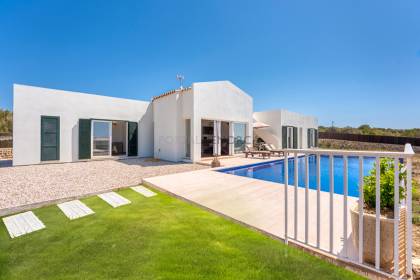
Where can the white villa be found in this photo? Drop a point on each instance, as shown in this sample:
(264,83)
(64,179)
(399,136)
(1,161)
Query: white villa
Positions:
(186,124)
(218,118)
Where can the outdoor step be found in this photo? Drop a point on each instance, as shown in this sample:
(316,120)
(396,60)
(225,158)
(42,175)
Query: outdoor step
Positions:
(114,199)
(143,191)
(75,209)
(23,223)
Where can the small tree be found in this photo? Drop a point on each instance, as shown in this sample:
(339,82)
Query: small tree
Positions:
(386,185)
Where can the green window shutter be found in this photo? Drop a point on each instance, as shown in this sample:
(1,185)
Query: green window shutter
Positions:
(84,138)
(316,137)
(132,138)
(308,137)
(295,138)
(50,138)
(284,136)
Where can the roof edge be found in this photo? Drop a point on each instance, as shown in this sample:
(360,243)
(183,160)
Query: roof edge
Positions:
(64,91)
(170,92)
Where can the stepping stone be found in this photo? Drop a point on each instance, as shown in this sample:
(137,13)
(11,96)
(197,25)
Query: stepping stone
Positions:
(114,199)
(75,209)
(143,191)
(22,223)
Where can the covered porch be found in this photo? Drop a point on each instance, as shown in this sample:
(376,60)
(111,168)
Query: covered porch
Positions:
(222,138)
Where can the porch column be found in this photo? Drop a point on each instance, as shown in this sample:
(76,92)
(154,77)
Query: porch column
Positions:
(216,137)
(195,139)
(231,138)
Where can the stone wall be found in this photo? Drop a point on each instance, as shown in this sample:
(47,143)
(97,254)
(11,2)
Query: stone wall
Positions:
(355,145)
(6,153)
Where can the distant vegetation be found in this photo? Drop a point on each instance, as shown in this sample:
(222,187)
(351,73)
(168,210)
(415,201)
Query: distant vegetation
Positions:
(6,117)
(367,130)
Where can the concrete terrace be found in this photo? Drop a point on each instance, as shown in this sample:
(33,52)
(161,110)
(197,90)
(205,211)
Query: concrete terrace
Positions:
(257,203)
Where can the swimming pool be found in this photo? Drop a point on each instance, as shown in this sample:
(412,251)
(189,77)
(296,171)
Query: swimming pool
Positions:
(274,171)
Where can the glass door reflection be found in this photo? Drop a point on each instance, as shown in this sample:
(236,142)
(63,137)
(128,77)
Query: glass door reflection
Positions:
(101,138)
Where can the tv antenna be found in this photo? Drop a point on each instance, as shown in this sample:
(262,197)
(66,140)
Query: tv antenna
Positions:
(180,78)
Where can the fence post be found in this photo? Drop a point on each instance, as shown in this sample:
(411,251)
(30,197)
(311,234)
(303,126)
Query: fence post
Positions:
(361,204)
(286,186)
(318,200)
(409,232)
(345,211)
(296,178)
(396,214)
(378,214)
(306,196)
(331,158)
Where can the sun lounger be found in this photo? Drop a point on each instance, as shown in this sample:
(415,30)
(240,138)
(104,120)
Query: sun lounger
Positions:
(252,152)
(272,149)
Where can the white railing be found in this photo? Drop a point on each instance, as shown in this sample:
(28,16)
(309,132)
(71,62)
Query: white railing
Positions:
(356,256)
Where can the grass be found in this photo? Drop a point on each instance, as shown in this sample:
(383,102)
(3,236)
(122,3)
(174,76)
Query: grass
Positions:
(153,238)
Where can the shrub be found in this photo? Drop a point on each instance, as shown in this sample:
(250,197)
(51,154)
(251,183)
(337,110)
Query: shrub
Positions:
(386,185)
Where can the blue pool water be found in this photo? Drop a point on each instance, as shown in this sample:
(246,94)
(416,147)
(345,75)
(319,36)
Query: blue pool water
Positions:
(274,171)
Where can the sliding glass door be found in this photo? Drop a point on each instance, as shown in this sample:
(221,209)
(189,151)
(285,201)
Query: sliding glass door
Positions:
(239,134)
(290,137)
(101,138)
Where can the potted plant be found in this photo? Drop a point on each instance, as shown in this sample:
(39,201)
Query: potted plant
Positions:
(215,162)
(387,214)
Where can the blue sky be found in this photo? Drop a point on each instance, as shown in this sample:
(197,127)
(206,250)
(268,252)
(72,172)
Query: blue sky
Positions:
(351,62)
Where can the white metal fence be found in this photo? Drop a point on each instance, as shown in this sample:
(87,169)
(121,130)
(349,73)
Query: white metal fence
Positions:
(402,242)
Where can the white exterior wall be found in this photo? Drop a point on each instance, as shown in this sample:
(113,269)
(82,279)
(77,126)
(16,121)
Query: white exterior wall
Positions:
(278,118)
(30,103)
(221,101)
(161,124)
(170,113)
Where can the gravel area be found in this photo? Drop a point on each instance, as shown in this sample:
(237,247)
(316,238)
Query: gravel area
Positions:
(38,183)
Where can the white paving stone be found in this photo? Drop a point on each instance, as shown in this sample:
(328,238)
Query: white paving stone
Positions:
(114,199)
(143,191)
(75,209)
(22,223)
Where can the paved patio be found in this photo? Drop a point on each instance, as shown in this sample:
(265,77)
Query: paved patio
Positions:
(258,203)
(39,183)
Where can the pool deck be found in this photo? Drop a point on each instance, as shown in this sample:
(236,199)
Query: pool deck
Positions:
(236,160)
(258,203)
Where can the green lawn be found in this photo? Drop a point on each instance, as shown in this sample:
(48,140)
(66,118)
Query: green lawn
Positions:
(153,238)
